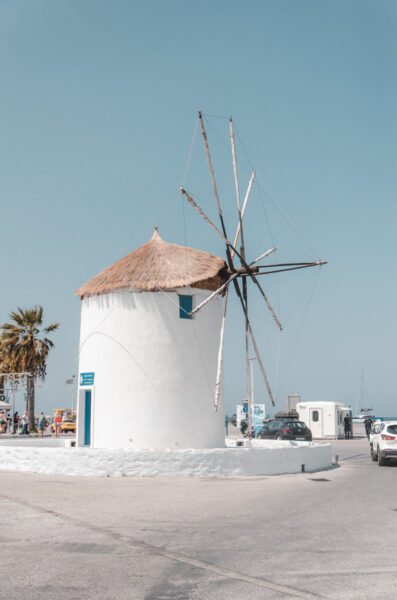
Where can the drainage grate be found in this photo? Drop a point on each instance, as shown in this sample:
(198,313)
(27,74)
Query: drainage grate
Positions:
(318,479)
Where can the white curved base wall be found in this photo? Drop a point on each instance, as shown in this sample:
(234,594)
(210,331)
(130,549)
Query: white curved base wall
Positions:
(273,458)
(154,372)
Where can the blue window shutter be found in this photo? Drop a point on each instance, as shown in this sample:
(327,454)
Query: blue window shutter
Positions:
(185,306)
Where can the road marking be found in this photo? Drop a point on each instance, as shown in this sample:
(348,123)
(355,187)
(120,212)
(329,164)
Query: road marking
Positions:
(174,556)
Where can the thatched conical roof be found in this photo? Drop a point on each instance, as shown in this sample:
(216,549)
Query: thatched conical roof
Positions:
(159,265)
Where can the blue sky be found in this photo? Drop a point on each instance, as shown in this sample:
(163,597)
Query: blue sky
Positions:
(98,108)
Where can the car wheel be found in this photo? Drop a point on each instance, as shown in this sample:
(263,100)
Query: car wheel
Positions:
(373,455)
(278,437)
(381,459)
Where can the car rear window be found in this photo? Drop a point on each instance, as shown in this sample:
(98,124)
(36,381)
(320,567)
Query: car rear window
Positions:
(275,425)
(297,425)
(392,429)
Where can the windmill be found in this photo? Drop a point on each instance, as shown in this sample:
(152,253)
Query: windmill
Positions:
(238,274)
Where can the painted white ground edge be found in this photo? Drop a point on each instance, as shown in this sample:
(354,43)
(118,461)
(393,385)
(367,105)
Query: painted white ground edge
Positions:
(274,458)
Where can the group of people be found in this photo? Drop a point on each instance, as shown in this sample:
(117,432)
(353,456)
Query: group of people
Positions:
(347,423)
(20,425)
(8,423)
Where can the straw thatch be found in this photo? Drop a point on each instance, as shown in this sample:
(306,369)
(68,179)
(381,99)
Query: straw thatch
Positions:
(159,265)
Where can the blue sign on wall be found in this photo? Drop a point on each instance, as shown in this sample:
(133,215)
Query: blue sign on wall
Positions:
(87,378)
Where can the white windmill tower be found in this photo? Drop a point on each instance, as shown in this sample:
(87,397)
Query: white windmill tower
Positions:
(146,367)
(238,275)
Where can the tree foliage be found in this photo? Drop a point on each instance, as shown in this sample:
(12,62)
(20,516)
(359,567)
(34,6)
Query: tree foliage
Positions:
(24,348)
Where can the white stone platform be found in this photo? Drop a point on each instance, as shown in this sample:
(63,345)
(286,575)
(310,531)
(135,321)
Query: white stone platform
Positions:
(263,458)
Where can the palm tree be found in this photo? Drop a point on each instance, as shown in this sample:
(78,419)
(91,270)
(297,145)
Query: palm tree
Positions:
(25,347)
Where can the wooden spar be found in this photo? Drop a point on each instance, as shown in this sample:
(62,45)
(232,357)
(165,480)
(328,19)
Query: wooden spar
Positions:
(254,279)
(264,255)
(239,273)
(240,217)
(250,273)
(317,263)
(269,306)
(233,144)
(218,291)
(202,213)
(218,381)
(230,256)
(228,244)
(211,170)
(212,173)
(256,349)
(247,340)
(258,356)
(293,268)
(247,195)
(260,363)
(242,260)
(206,218)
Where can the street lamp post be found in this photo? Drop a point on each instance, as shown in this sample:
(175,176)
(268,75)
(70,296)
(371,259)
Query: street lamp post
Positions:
(251,396)
(70,381)
(13,379)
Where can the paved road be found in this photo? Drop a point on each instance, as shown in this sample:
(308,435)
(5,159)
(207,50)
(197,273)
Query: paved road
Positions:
(326,535)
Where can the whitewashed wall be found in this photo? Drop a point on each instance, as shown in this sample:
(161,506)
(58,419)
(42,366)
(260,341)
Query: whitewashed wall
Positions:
(154,372)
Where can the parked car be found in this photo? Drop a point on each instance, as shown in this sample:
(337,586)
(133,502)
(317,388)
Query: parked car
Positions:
(285,430)
(383,441)
(65,426)
(376,428)
(256,429)
(291,415)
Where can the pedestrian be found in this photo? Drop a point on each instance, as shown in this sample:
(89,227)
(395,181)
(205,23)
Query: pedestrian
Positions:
(57,423)
(16,421)
(3,423)
(347,422)
(368,425)
(25,423)
(41,424)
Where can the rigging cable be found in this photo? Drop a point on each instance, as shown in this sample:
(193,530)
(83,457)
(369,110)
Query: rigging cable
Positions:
(299,329)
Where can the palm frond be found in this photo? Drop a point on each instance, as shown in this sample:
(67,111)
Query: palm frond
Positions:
(51,327)
(24,343)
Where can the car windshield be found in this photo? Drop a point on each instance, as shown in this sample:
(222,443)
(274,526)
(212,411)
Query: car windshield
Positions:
(392,429)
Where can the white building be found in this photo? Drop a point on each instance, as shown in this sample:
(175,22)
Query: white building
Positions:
(148,369)
(324,419)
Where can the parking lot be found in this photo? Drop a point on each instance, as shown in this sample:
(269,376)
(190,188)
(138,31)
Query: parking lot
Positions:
(291,536)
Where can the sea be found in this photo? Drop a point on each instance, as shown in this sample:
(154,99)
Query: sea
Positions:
(374,418)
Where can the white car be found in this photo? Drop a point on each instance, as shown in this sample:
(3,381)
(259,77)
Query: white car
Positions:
(383,441)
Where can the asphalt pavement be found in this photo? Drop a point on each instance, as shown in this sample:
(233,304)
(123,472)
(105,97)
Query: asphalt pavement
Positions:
(325,535)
